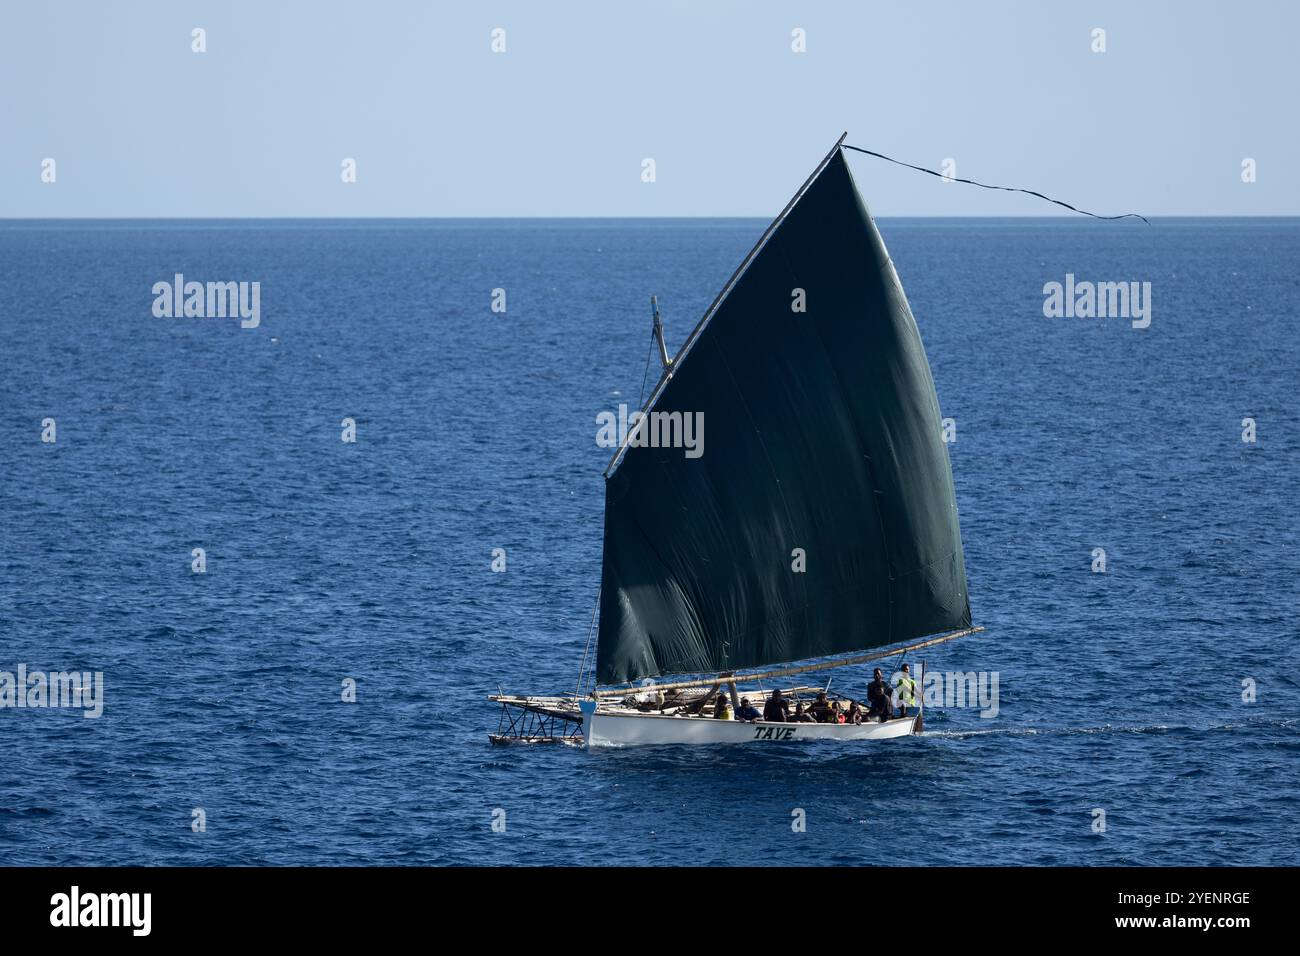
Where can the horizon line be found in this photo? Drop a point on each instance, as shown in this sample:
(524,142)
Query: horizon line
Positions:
(687,218)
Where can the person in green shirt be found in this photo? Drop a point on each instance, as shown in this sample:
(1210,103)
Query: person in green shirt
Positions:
(905,690)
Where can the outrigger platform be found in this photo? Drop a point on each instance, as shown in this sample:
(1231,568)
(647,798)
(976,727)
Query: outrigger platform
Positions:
(538,720)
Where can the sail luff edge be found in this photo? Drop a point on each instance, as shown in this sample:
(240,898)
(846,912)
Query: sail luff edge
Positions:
(736,276)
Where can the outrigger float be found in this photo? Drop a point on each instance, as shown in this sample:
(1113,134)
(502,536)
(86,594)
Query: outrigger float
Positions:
(822,521)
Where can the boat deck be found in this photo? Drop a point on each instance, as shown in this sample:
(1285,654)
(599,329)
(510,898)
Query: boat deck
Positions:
(558,720)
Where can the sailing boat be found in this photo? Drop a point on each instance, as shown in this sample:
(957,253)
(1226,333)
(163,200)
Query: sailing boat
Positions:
(820,522)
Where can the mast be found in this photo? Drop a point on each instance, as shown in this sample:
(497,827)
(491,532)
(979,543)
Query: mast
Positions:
(659,336)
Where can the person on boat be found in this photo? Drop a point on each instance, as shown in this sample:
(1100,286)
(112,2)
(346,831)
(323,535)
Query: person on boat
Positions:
(801,716)
(906,691)
(820,709)
(878,697)
(722,708)
(837,713)
(854,716)
(776,709)
(747,711)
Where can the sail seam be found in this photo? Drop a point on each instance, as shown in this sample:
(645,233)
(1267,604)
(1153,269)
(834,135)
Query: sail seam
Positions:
(767,457)
(649,545)
(794,277)
(867,451)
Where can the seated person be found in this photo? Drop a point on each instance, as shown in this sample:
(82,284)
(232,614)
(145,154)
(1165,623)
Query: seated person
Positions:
(747,711)
(878,693)
(722,708)
(854,715)
(776,709)
(820,709)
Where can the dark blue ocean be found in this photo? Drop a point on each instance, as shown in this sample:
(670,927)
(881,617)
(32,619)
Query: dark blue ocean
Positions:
(1120,691)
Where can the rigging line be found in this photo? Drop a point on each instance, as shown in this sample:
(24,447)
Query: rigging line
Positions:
(640,402)
(1009,189)
(591,627)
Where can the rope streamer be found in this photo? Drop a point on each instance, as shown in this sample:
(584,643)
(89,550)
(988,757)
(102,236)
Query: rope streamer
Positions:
(1009,189)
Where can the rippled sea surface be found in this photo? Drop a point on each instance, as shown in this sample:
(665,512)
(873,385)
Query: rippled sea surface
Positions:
(1119,691)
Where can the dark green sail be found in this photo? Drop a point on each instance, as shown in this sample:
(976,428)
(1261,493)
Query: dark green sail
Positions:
(821,433)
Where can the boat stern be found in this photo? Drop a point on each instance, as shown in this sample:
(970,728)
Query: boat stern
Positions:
(588,709)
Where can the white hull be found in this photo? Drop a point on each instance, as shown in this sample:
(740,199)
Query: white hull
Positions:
(625,730)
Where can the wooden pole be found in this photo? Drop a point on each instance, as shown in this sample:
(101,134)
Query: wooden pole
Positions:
(787,671)
(735,696)
(920,707)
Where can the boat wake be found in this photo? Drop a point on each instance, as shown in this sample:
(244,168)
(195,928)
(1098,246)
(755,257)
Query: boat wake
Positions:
(1283,724)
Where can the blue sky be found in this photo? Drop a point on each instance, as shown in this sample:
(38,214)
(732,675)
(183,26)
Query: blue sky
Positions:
(558,125)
